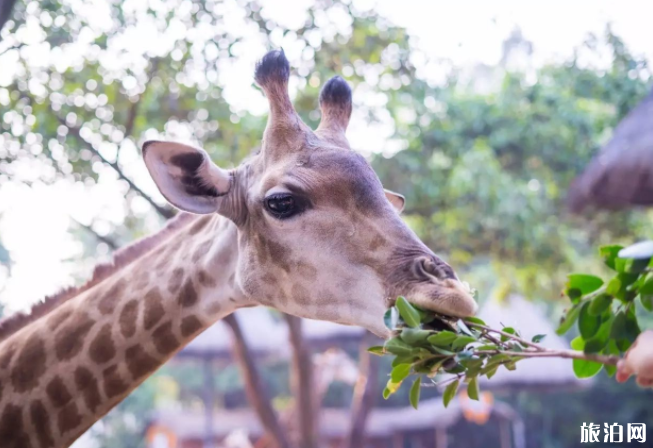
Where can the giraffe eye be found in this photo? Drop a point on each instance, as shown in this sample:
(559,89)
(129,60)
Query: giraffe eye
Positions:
(281,205)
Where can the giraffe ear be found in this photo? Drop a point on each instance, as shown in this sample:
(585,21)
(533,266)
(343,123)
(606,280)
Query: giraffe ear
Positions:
(396,200)
(186,176)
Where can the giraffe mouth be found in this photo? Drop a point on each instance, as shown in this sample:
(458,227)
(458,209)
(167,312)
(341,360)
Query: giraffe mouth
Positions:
(451,298)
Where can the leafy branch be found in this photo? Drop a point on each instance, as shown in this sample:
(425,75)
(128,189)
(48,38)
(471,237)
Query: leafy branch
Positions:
(430,344)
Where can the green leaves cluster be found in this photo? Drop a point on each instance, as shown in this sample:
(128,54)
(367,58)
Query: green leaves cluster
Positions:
(427,344)
(605,311)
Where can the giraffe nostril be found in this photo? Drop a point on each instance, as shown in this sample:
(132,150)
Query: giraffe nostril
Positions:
(432,266)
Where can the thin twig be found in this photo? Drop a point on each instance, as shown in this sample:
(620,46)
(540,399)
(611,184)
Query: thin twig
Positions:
(75,131)
(547,353)
(508,335)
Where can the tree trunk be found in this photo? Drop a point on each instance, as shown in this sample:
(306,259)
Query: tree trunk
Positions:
(254,387)
(365,393)
(302,384)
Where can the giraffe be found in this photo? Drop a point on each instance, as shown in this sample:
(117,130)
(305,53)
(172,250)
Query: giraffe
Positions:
(303,226)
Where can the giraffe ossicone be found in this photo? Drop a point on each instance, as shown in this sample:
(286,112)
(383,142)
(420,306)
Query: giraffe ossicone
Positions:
(303,226)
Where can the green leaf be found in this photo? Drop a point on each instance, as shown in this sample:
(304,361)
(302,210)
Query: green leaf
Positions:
(442,351)
(609,254)
(632,327)
(487,347)
(625,326)
(414,336)
(583,368)
(462,341)
(403,360)
(538,338)
(584,282)
(508,330)
(377,350)
(392,387)
(472,389)
(475,320)
(398,347)
(646,286)
(400,372)
(612,349)
(414,392)
(631,266)
(568,320)
(386,393)
(647,301)
(442,339)
(600,339)
(450,392)
(491,371)
(588,324)
(408,313)
(599,304)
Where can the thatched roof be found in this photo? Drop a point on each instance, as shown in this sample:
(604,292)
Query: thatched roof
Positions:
(621,175)
(530,320)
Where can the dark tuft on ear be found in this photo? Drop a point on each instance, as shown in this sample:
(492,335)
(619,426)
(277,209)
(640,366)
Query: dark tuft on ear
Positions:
(273,68)
(193,182)
(336,92)
(190,161)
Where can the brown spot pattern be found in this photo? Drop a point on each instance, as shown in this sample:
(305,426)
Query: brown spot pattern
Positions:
(108,301)
(102,348)
(190,325)
(30,365)
(280,255)
(41,421)
(188,295)
(58,318)
(68,418)
(139,363)
(307,271)
(87,385)
(11,427)
(377,242)
(58,392)
(270,279)
(114,385)
(128,317)
(205,279)
(175,280)
(300,294)
(5,358)
(164,340)
(70,339)
(154,311)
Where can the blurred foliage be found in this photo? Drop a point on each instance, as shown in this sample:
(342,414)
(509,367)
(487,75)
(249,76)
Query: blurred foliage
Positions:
(485,162)
(485,175)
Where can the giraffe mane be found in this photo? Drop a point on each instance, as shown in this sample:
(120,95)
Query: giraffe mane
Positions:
(121,258)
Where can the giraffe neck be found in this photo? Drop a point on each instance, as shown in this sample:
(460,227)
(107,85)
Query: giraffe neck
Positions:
(64,371)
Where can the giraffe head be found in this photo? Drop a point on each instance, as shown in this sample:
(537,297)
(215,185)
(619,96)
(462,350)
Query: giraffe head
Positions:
(318,236)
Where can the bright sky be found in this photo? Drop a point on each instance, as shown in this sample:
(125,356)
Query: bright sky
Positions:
(35,222)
